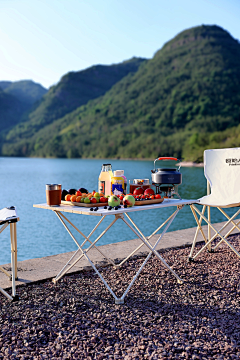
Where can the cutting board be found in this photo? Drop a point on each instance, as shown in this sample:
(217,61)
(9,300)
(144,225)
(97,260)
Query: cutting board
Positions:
(137,203)
(149,202)
(63,202)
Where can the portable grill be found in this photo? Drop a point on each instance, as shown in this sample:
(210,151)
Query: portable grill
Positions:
(167,178)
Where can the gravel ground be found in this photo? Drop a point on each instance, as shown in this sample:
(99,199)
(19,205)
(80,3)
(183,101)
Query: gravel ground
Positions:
(78,319)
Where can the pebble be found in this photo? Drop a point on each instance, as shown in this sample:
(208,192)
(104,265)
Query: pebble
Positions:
(78,319)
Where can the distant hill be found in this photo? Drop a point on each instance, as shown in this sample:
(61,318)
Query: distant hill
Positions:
(183,100)
(5,84)
(26,91)
(73,90)
(11,110)
(15,99)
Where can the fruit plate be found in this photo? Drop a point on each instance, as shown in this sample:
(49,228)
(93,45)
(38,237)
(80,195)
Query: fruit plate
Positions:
(149,202)
(63,202)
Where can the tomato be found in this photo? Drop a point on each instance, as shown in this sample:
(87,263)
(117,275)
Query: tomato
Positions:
(78,193)
(121,197)
(103,199)
(157,196)
(93,200)
(149,191)
(68,197)
(73,198)
(138,191)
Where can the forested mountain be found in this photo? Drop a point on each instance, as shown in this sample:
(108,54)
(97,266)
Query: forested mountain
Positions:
(183,100)
(74,90)
(26,91)
(16,98)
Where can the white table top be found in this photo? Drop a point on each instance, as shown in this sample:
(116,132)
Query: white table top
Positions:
(102,212)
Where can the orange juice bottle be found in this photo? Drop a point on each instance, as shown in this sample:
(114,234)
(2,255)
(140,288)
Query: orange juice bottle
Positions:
(104,180)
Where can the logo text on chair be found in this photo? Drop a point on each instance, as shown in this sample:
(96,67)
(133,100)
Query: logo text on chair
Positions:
(232,162)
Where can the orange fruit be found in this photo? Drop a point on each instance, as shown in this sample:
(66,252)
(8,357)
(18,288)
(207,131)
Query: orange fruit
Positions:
(68,197)
(73,198)
(78,199)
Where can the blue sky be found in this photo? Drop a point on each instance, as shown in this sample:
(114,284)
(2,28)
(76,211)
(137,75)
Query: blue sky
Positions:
(42,40)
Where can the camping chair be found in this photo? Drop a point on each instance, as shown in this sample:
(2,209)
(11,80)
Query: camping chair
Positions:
(222,171)
(8,216)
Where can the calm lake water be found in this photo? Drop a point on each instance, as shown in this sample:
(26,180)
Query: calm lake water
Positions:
(39,231)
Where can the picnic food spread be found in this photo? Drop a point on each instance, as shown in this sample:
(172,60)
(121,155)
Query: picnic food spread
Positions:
(112,189)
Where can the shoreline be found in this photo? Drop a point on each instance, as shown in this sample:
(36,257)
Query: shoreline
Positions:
(191,164)
(182,163)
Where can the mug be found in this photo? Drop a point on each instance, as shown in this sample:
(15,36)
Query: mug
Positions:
(53,194)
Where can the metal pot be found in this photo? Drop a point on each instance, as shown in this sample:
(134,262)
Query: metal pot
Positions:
(166,175)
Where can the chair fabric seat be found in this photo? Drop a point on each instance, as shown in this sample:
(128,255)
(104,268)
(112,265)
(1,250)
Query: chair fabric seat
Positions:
(215,201)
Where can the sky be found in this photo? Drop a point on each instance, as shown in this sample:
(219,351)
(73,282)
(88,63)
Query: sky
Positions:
(41,40)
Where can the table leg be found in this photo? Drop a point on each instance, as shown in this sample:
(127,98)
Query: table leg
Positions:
(13,276)
(152,248)
(1,268)
(65,269)
(139,235)
(6,294)
(148,238)
(13,234)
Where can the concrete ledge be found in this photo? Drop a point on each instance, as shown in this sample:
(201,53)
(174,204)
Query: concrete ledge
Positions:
(48,267)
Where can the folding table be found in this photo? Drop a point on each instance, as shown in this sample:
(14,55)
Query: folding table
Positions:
(8,216)
(120,214)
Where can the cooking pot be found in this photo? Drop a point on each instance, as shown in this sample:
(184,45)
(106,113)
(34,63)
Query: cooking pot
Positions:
(166,175)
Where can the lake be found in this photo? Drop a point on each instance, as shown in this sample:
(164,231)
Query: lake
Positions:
(39,231)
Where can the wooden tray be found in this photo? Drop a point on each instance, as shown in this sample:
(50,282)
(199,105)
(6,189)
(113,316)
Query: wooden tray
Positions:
(63,202)
(149,202)
(137,203)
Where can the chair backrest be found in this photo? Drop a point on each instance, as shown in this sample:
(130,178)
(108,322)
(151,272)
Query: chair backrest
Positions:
(222,170)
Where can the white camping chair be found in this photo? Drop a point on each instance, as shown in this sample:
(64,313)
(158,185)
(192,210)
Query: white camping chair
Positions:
(8,216)
(222,171)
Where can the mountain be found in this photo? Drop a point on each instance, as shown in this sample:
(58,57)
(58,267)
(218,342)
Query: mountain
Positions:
(183,100)
(5,84)
(74,90)
(26,91)
(15,99)
(11,109)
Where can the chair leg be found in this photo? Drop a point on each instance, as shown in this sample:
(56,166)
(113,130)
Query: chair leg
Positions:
(199,223)
(217,233)
(235,225)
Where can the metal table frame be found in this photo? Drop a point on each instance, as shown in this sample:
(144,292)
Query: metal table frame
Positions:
(120,214)
(13,236)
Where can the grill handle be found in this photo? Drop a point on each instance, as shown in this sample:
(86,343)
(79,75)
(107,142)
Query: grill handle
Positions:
(166,158)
